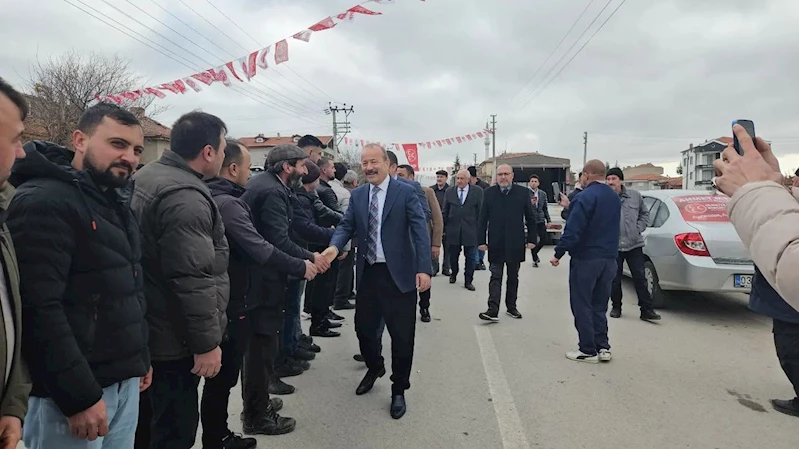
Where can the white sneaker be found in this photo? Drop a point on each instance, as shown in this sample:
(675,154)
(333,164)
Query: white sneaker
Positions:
(579,356)
(305,316)
(605,355)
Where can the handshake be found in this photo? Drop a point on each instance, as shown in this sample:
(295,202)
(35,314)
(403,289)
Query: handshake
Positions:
(321,262)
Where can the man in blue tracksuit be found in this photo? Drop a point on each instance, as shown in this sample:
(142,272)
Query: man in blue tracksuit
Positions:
(591,236)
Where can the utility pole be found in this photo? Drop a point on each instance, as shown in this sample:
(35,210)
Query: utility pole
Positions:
(339,126)
(494,146)
(475,159)
(585,147)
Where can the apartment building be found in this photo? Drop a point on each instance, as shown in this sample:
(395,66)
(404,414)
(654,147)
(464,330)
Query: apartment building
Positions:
(697,163)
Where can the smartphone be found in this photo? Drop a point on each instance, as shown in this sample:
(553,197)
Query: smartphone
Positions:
(749,126)
(556,191)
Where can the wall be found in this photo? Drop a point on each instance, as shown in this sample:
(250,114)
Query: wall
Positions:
(258,156)
(153,149)
(643,170)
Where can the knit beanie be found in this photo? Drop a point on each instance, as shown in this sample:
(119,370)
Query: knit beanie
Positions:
(615,171)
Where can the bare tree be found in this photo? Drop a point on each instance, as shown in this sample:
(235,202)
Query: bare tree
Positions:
(62,87)
(352,158)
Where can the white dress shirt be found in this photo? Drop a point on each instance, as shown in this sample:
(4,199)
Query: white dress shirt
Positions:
(380,256)
(465,193)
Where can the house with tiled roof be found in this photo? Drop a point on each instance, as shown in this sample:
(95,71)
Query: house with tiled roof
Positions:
(697,163)
(261,145)
(651,182)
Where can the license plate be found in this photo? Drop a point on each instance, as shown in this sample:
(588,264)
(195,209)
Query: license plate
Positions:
(743,281)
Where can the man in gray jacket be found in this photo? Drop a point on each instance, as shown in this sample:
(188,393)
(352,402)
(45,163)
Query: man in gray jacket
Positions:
(185,258)
(634,218)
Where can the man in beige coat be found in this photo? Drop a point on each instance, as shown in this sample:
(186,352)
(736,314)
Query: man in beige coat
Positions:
(16,384)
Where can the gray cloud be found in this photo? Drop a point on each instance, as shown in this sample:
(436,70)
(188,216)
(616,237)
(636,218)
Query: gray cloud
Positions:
(657,77)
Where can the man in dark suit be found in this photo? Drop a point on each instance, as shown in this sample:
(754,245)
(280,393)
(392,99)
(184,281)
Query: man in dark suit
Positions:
(393,262)
(538,198)
(461,212)
(506,209)
(440,188)
(479,256)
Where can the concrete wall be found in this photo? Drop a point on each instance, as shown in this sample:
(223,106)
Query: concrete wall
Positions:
(153,149)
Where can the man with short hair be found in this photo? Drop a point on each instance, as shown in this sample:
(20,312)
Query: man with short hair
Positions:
(565,200)
(16,385)
(634,217)
(505,211)
(435,228)
(539,200)
(440,188)
(461,214)
(313,147)
(185,260)
(327,173)
(479,262)
(248,249)
(84,333)
(350,180)
(591,236)
(346,273)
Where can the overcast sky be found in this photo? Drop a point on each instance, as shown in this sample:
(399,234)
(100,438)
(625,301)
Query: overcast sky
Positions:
(658,76)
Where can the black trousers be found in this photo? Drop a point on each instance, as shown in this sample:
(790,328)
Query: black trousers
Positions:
(145,417)
(445,254)
(543,239)
(635,260)
(345,278)
(216,392)
(470,254)
(174,400)
(379,299)
(320,293)
(495,286)
(424,299)
(786,340)
(259,363)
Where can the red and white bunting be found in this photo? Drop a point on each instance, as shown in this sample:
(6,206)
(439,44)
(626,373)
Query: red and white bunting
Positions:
(411,154)
(420,145)
(244,68)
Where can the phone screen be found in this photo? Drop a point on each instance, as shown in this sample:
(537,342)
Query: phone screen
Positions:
(749,126)
(556,191)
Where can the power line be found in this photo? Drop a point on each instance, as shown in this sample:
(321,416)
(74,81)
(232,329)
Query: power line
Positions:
(578,51)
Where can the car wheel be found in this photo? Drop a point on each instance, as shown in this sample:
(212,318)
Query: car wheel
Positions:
(659,297)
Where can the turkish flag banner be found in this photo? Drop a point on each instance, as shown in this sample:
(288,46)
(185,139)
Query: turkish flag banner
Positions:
(361,10)
(324,24)
(449,141)
(411,154)
(281,52)
(458,139)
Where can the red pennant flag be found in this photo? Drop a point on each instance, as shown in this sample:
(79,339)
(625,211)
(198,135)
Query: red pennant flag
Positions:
(480,135)
(204,77)
(220,75)
(281,52)
(233,71)
(468,137)
(361,10)
(429,145)
(98,98)
(170,87)
(438,142)
(449,141)
(411,154)
(190,82)
(304,35)
(248,66)
(458,139)
(362,144)
(324,24)
(154,91)
(130,96)
(114,98)
(180,86)
(261,61)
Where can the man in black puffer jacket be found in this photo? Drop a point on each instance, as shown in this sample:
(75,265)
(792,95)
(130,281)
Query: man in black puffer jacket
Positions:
(77,242)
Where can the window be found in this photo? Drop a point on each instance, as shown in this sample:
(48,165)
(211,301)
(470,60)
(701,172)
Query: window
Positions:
(651,204)
(661,216)
(691,175)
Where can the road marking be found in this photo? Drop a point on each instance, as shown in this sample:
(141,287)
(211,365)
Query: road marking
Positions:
(510,425)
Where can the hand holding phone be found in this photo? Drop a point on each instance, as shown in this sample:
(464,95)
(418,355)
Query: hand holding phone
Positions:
(747,125)
(556,191)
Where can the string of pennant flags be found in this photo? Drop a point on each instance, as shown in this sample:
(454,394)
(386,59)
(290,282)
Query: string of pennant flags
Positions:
(248,66)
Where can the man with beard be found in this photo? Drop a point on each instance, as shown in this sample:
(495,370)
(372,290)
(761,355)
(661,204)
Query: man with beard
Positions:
(16,384)
(440,188)
(185,258)
(269,196)
(84,332)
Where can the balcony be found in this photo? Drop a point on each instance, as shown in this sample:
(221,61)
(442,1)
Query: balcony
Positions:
(704,166)
(701,182)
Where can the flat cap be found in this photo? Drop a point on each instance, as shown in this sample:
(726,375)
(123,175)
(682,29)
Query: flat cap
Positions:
(285,153)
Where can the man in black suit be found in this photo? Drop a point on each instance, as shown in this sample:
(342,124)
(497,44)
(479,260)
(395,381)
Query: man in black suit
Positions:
(461,212)
(506,209)
(393,263)
(539,200)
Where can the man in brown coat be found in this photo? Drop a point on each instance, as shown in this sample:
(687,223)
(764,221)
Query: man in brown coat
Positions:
(436,229)
(16,385)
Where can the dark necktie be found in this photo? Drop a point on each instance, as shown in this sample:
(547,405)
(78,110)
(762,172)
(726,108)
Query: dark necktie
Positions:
(371,245)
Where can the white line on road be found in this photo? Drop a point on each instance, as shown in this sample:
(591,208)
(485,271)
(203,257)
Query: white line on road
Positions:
(510,425)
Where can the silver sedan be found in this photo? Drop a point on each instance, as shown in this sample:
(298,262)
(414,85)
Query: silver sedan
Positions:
(692,246)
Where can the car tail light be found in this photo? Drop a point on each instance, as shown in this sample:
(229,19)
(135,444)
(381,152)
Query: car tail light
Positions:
(692,244)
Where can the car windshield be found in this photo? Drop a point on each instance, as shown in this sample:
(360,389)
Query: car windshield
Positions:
(703,208)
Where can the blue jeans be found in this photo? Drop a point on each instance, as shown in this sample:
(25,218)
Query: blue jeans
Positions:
(292,327)
(479,257)
(590,282)
(46,427)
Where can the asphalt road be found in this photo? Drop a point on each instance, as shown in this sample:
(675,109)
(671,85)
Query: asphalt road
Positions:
(699,379)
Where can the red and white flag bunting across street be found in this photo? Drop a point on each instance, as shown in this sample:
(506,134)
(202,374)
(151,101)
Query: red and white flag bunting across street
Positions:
(246,67)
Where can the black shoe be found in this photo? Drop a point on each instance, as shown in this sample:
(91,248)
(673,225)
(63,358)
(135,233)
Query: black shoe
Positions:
(330,324)
(305,365)
(332,316)
(398,406)
(481,266)
(231,441)
(789,407)
(324,332)
(514,313)
(453,278)
(615,312)
(535,264)
(269,423)
(435,273)
(343,305)
(487,316)
(280,388)
(369,381)
(358,358)
(649,315)
(309,346)
(276,403)
(304,354)
(446,272)
(425,315)
(287,369)
(469,286)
